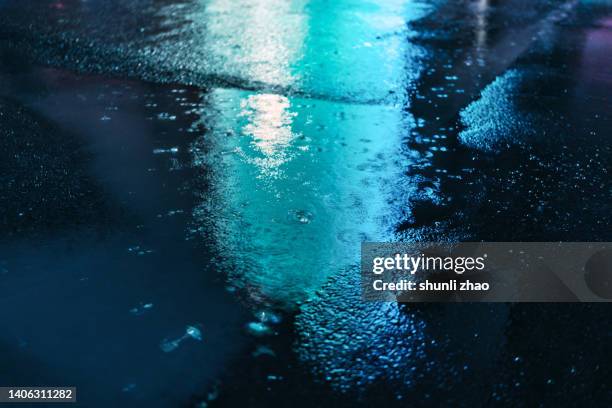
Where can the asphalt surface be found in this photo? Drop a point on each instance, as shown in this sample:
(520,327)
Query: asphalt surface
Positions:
(185,184)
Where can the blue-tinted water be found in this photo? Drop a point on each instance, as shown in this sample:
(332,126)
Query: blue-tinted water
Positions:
(187,185)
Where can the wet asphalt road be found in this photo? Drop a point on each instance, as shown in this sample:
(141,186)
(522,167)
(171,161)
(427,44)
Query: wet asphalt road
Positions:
(185,185)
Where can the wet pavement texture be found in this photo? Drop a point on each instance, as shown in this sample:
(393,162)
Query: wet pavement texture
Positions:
(185,185)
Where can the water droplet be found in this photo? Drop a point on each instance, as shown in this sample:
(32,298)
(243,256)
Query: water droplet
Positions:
(141,308)
(300,216)
(258,329)
(194,332)
(128,387)
(266,316)
(264,351)
(171,150)
(169,345)
(166,116)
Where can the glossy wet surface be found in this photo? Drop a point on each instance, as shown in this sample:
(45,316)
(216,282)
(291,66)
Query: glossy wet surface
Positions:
(185,185)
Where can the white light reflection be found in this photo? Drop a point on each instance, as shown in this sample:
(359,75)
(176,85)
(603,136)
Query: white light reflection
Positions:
(262,37)
(481,24)
(269,126)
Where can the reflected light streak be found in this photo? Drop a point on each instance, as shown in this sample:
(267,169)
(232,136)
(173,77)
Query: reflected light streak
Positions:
(481,24)
(263,36)
(269,126)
